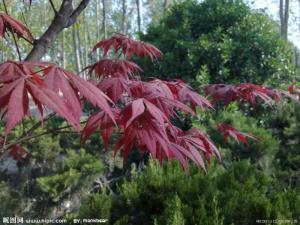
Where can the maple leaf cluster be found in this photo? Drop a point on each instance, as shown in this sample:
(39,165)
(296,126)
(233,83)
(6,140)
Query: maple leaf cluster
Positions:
(146,108)
(48,86)
(250,93)
(139,111)
(295,89)
(238,136)
(16,152)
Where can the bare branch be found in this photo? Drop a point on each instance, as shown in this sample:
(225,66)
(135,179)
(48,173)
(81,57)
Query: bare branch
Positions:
(4,149)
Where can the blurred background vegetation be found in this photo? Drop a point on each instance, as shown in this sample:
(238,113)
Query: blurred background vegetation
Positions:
(215,41)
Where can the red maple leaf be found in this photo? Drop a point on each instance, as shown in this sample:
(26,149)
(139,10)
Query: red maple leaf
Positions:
(140,117)
(20,82)
(102,122)
(45,83)
(185,94)
(115,88)
(17,152)
(159,94)
(69,84)
(295,90)
(242,92)
(230,131)
(7,23)
(128,47)
(113,68)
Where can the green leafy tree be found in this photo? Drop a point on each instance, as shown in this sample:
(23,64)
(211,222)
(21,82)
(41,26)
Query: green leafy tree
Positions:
(219,41)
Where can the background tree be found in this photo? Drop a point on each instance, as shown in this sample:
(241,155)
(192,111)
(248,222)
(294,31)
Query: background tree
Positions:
(123,16)
(199,42)
(138,8)
(284,6)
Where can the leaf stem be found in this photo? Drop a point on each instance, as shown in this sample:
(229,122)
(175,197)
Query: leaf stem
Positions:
(27,137)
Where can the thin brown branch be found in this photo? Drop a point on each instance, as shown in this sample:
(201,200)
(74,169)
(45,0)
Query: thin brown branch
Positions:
(36,125)
(14,37)
(53,6)
(23,139)
(24,19)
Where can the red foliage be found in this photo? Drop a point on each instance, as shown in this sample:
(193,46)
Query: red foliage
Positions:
(114,68)
(140,112)
(230,131)
(102,122)
(186,95)
(190,142)
(7,23)
(295,90)
(17,152)
(128,47)
(242,92)
(69,84)
(116,88)
(48,85)
(145,109)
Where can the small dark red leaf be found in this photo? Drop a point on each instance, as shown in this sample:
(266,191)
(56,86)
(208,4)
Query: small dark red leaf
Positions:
(230,131)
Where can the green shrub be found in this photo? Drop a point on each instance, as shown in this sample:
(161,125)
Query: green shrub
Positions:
(73,173)
(240,195)
(260,152)
(285,125)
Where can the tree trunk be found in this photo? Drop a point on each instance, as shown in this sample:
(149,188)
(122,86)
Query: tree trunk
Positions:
(98,26)
(79,48)
(86,43)
(284,6)
(165,6)
(286,18)
(89,42)
(63,51)
(2,52)
(97,20)
(76,50)
(64,18)
(104,19)
(123,28)
(138,15)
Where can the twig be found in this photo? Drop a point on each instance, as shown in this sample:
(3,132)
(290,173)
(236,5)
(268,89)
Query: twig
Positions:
(14,37)
(27,138)
(24,20)
(53,7)
(36,125)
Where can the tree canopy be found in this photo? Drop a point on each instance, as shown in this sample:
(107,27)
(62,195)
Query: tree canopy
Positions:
(219,41)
